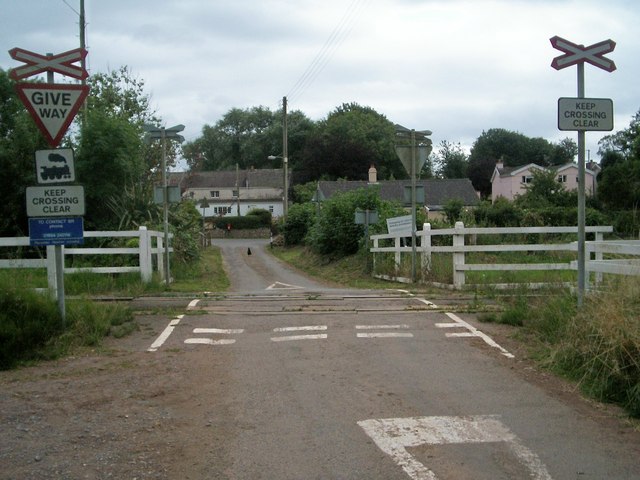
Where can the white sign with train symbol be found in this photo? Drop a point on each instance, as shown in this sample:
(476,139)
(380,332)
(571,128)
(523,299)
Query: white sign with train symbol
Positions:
(55,166)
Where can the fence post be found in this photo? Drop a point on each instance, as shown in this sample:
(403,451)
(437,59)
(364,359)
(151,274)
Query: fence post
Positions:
(51,272)
(159,255)
(599,255)
(458,257)
(144,254)
(375,246)
(426,248)
(396,254)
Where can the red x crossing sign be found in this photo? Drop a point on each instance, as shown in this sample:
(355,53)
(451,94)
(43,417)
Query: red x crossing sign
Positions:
(36,63)
(574,54)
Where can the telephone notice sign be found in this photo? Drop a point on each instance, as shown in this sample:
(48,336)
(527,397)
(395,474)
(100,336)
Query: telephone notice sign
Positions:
(589,114)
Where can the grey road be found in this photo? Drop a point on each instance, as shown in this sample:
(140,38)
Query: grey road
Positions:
(297,380)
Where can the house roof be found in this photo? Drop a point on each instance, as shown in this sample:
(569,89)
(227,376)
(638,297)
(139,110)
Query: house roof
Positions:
(514,171)
(437,192)
(269,178)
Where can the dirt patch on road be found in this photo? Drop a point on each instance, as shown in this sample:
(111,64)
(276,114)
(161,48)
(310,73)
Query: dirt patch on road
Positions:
(116,414)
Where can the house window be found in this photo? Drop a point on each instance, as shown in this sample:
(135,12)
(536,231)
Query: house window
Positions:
(270,208)
(214,193)
(527,179)
(562,178)
(236,193)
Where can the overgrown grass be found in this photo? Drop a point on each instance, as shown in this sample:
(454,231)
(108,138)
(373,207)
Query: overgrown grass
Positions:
(598,345)
(206,275)
(31,327)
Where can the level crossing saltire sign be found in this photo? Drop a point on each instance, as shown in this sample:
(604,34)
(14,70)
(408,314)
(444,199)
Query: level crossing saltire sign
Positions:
(56,231)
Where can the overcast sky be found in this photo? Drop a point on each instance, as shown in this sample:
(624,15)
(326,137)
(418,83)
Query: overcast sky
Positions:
(456,67)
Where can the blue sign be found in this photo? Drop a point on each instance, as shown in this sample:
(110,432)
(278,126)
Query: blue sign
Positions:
(56,231)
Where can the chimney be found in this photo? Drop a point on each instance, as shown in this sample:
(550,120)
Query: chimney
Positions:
(500,164)
(373,175)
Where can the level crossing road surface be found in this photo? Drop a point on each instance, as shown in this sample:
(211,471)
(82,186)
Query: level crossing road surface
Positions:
(305,381)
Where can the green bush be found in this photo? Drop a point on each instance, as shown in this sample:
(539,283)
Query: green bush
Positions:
(263,215)
(300,218)
(28,320)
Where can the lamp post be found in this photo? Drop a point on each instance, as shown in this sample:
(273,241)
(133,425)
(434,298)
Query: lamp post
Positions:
(164,134)
(413,157)
(285,168)
(204,205)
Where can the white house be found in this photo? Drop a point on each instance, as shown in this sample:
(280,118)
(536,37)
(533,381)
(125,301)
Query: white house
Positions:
(235,192)
(508,182)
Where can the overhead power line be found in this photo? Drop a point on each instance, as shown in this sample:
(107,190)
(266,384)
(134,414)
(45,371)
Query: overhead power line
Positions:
(337,37)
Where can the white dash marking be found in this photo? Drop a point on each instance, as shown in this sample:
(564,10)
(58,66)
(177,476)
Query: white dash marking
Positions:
(477,333)
(384,335)
(309,328)
(380,327)
(292,338)
(165,334)
(192,304)
(210,341)
(227,331)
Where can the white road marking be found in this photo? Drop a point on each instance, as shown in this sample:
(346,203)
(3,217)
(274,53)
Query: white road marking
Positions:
(394,435)
(300,329)
(292,338)
(380,327)
(210,341)
(384,335)
(427,302)
(165,334)
(282,286)
(228,331)
(472,332)
(192,304)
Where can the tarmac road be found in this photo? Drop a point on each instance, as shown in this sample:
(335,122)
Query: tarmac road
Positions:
(304,381)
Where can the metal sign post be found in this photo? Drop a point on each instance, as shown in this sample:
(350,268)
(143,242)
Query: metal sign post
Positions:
(577,55)
(413,157)
(165,134)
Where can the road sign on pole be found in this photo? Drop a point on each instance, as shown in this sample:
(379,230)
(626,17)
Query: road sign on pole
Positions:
(55,201)
(579,55)
(575,54)
(36,63)
(55,166)
(590,114)
(52,106)
(56,231)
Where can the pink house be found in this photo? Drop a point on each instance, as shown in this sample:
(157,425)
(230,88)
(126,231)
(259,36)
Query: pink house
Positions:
(508,182)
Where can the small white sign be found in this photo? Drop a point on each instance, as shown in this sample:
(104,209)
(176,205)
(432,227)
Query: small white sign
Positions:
(592,114)
(55,166)
(60,201)
(400,225)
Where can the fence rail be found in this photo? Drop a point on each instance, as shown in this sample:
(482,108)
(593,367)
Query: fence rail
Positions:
(596,251)
(150,245)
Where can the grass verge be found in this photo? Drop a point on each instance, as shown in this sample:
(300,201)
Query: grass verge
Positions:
(597,346)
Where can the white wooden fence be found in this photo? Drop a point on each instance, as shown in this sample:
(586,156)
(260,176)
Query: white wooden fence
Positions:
(150,243)
(595,251)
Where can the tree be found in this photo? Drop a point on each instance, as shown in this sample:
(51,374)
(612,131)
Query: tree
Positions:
(19,139)
(619,180)
(450,161)
(348,142)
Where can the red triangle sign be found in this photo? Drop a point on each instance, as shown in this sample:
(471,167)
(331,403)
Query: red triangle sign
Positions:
(52,106)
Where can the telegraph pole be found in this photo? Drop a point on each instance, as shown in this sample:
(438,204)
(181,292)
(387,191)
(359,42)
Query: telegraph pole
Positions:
(285,157)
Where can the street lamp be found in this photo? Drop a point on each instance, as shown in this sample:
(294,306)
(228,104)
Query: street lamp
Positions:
(413,157)
(164,134)
(285,168)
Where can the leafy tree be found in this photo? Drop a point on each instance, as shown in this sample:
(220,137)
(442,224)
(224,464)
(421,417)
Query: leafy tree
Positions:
(247,138)
(19,139)
(545,190)
(348,142)
(451,161)
(619,180)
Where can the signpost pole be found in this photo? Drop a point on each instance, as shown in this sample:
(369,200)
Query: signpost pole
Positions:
(58,254)
(582,280)
(165,206)
(413,204)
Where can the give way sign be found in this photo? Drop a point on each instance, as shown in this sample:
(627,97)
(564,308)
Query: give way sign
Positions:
(52,106)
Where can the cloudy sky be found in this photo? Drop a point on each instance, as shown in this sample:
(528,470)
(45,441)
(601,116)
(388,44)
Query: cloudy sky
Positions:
(456,67)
